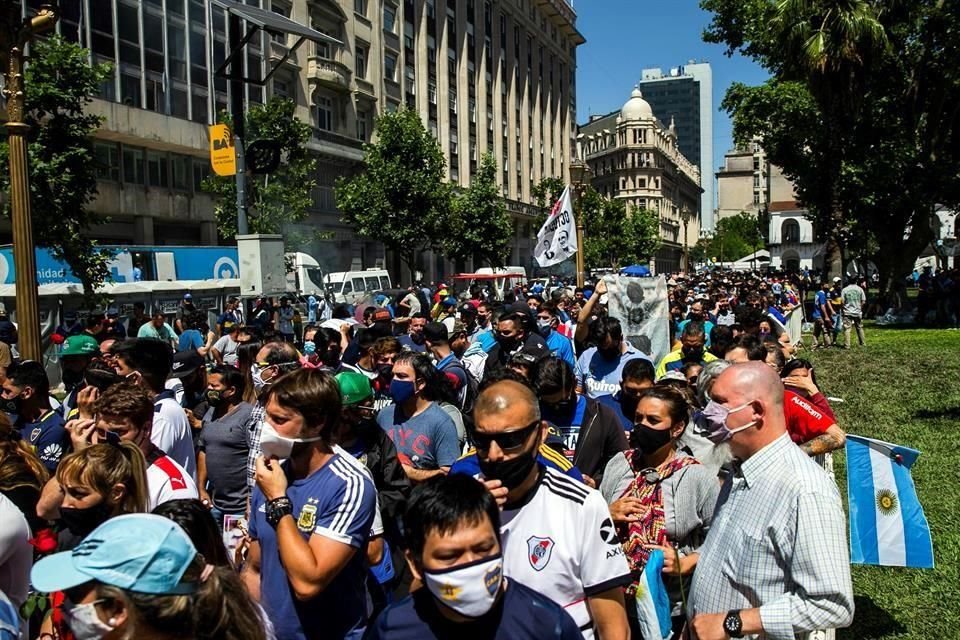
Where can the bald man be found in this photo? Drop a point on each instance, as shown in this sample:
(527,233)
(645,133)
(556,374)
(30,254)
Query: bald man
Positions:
(557,535)
(775,562)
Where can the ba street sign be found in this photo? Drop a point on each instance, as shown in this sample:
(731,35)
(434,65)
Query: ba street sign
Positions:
(223,156)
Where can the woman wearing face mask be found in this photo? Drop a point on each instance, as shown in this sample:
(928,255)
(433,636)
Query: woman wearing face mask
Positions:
(99,482)
(660,497)
(22,475)
(246,356)
(139,576)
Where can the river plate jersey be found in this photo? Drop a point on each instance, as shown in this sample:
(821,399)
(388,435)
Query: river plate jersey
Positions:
(561,542)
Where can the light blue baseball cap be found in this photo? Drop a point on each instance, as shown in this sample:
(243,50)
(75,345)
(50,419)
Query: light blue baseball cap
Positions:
(138,552)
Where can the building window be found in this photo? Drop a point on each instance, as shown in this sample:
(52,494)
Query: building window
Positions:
(157,169)
(181,172)
(361,59)
(325,113)
(133,172)
(360,7)
(432,92)
(756,197)
(108,161)
(362,125)
(790,230)
(390,66)
(389,17)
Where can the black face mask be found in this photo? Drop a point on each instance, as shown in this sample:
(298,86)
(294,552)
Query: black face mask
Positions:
(692,353)
(12,406)
(562,410)
(511,473)
(507,344)
(612,353)
(385,371)
(417,338)
(648,440)
(70,377)
(82,522)
(628,404)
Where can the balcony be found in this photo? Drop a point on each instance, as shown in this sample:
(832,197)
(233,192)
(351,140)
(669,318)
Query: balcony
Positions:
(365,89)
(278,51)
(328,73)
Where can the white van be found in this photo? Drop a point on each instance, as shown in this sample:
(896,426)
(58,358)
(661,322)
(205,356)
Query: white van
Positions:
(350,287)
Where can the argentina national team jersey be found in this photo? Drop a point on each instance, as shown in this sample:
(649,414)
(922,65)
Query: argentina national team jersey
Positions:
(337,501)
(562,543)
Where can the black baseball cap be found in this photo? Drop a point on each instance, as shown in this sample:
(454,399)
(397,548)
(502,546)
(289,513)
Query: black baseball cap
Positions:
(185,363)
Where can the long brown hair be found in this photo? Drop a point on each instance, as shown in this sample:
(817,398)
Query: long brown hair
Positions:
(220,609)
(19,465)
(102,466)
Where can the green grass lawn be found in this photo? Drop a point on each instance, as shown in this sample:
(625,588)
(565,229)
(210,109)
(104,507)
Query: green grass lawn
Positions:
(904,387)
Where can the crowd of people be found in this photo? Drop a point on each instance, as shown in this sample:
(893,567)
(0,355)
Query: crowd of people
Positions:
(449,466)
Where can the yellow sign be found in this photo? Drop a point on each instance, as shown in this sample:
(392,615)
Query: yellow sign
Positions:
(223,157)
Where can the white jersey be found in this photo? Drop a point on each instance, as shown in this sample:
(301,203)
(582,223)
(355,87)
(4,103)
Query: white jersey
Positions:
(562,543)
(167,480)
(171,432)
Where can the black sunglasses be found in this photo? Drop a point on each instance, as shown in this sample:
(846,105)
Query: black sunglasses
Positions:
(507,440)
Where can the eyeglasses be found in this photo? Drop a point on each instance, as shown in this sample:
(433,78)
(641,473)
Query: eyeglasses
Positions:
(508,441)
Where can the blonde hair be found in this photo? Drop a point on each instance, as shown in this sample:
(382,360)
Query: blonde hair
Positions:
(102,466)
(19,465)
(220,608)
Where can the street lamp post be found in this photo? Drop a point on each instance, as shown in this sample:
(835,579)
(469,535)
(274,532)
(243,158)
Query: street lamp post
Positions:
(15,33)
(685,216)
(579,176)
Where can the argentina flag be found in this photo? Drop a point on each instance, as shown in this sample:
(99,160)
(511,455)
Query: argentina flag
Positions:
(652,602)
(887,525)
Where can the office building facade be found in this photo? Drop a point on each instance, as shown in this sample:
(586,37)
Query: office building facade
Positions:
(636,158)
(685,95)
(493,76)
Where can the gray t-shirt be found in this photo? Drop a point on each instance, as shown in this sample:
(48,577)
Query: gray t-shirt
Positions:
(226,444)
(853,300)
(428,440)
(227,347)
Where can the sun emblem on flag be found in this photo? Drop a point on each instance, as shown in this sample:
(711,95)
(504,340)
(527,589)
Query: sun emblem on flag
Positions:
(886,501)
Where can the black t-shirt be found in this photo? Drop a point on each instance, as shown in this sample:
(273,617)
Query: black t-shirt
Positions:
(521,614)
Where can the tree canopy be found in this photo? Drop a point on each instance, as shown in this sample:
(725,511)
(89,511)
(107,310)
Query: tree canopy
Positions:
(281,196)
(735,237)
(479,226)
(58,83)
(400,197)
(614,237)
(861,112)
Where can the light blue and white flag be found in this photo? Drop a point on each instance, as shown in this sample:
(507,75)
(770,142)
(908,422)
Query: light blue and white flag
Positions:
(887,525)
(653,604)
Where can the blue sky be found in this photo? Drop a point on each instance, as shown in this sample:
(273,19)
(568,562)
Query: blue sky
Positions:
(625,36)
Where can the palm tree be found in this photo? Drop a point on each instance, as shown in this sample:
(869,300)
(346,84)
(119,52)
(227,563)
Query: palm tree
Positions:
(830,43)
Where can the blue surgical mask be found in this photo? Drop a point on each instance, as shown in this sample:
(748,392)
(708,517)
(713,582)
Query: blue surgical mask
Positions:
(401,390)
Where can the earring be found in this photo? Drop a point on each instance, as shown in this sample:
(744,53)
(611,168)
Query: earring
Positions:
(112,622)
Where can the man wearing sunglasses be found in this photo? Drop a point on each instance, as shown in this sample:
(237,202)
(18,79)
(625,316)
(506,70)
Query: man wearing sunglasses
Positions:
(558,538)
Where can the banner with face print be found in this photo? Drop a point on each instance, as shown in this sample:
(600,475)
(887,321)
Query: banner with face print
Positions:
(557,239)
(641,306)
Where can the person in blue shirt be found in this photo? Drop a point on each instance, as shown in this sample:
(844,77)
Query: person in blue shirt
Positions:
(697,314)
(638,376)
(26,398)
(599,368)
(309,516)
(453,527)
(548,319)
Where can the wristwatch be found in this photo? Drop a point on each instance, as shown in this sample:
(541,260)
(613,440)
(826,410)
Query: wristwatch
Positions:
(733,625)
(276,509)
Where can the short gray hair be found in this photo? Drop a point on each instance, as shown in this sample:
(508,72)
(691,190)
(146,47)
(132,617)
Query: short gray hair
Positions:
(707,377)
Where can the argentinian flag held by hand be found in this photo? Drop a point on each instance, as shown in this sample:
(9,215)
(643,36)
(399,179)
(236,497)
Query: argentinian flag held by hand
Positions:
(653,604)
(887,525)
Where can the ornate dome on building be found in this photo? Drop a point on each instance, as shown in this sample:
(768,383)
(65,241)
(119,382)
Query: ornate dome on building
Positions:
(636,108)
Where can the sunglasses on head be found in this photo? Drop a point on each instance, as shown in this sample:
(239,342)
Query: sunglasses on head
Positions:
(507,440)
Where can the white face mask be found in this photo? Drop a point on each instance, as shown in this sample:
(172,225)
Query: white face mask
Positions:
(273,445)
(469,589)
(256,376)
(85,623)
